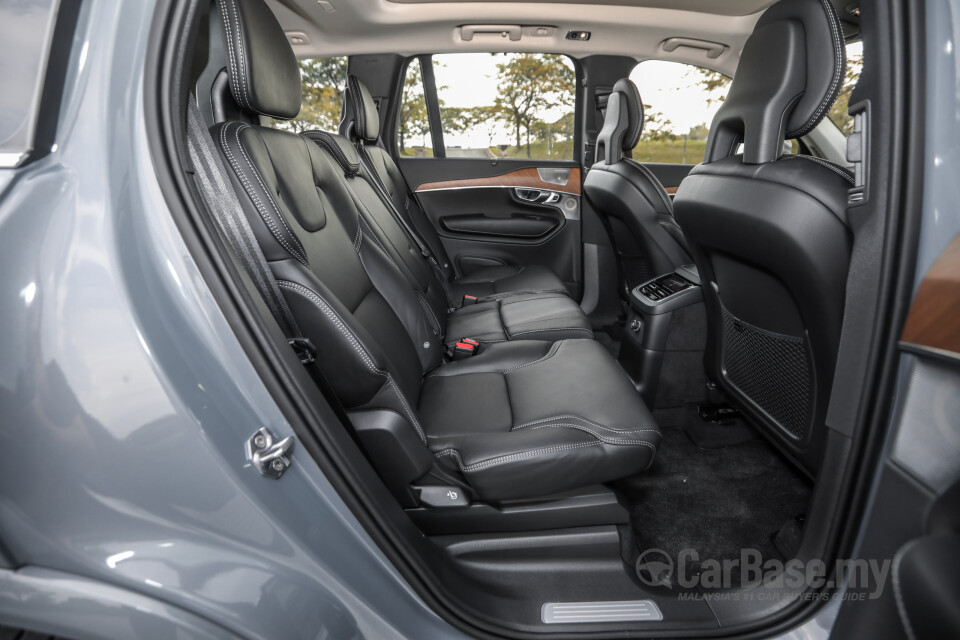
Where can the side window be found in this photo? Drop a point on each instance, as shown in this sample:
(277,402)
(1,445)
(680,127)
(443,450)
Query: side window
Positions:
(679,102)
(505,105)
(324,80)
(413,123)
(838,112)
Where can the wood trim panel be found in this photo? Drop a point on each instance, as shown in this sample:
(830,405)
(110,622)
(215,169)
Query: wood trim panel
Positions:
(528,178)
(934,318)
(671,190)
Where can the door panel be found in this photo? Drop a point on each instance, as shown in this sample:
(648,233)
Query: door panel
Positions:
(915,519)
(563,179)
(510,212)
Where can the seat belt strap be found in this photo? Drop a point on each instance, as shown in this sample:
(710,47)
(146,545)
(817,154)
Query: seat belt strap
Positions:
(411,232)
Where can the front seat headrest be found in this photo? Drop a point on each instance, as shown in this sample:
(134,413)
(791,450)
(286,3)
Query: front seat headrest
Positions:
(790,72)
(622,122)
(263,71)
(361,110)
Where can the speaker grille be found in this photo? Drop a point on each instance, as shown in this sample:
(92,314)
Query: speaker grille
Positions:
(771,369)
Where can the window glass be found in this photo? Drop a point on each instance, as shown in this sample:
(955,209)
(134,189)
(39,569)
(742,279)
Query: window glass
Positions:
(679,102)
(413,123)
(838,113)
(506,105)
(324,80)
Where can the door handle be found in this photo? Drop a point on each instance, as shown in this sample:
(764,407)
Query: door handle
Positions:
(537,196)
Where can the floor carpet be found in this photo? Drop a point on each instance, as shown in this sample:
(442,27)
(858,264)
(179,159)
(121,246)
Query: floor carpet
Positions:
(717,501)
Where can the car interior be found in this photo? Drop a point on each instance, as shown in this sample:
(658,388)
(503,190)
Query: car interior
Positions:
(567,332)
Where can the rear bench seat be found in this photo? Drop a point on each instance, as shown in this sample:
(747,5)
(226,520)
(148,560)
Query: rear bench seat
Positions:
(542,315)
(522,419)
(362,122)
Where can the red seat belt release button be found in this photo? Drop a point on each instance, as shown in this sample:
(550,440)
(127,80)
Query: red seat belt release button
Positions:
(463,350)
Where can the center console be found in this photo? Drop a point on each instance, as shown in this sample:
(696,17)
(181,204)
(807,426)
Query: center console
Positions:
(665,315)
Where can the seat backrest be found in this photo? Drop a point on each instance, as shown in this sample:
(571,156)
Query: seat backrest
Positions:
(626,194)
(769,232)
(372,337)
(379,223)
(361,125)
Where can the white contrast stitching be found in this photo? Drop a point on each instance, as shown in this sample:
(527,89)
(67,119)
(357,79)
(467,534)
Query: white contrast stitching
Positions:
(491,462)
(829,165)
(587,420)
(301,257)
(829,98)
(406,407)
(241,56)
(520,333)
(602,438)
(553,351)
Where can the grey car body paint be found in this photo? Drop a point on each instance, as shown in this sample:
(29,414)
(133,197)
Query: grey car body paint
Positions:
(126,401)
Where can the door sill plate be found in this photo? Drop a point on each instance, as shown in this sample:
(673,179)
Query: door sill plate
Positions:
(619,611)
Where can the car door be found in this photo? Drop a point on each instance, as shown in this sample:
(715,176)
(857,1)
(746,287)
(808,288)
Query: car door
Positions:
(488,146)
(914,520)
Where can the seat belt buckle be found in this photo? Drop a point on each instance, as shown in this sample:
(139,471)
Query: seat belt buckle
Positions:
(463,350)
(468,300)
(304,350)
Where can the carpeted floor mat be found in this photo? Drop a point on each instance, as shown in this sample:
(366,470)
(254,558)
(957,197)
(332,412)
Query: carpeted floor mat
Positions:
(717,501)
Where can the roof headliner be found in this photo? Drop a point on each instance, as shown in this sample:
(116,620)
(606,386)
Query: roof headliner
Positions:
(718,7)
(633,28)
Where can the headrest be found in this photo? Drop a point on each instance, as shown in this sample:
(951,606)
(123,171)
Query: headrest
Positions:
(340,148)
(622,122)
(361,110)
(264,76)
(790,72)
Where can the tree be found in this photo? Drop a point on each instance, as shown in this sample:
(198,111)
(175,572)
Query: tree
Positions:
(711,81)
(656,125)
(463,119)
(413,118)
(699,132)
(529,83)
(838,112)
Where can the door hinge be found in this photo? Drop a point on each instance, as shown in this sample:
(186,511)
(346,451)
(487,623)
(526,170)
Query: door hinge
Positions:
(267,456)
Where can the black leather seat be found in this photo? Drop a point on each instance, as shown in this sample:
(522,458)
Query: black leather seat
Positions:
(521,419)
(769,232)
(362,125)
(637,208)
(533,316)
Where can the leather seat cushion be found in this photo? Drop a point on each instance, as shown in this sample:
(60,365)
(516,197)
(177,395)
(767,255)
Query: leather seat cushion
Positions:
(506,280)
(534,418)
(538,316)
